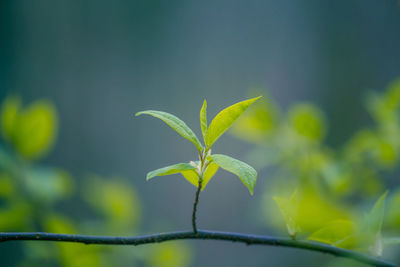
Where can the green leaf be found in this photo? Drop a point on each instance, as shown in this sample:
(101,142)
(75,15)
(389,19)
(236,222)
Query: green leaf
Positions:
(36,130)
(259,123)
(373,224)
(289,209)
(338,233)
(193,178)
(209,173)
(176,168)
(225,119)
(203,120)
(374,218)
(307,121)
(9,116)
(175,123)
(246,173)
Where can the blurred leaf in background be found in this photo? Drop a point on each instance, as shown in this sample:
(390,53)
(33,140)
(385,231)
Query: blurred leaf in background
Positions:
(169,254)
(31,130)
(116,201)
(9,116)
(334,184)
(307,121)
(338,233)
(31,195)
(259,122)
(289,209)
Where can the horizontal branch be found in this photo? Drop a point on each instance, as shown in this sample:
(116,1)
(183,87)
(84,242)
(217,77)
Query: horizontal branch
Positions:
(201,234)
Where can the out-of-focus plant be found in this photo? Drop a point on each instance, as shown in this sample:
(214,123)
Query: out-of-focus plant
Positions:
(334,186)
(32,193)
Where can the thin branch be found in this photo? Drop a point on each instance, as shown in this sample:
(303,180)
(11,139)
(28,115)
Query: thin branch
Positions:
(196,201)
(201,234)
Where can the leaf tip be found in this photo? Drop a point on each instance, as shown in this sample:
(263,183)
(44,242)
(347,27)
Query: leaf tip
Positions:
(382,198)
(256,98)
(251,190)
(150,175)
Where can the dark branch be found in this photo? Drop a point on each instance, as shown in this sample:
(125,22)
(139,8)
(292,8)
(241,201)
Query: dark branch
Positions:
(196,201)
(201,234)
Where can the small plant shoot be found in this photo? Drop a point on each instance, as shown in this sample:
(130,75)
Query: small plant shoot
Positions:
(200,172)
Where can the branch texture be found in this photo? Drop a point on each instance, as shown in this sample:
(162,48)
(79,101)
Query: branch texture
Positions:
(201,234)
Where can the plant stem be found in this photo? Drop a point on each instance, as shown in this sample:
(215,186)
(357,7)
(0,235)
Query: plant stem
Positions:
(196,201)
(248,239)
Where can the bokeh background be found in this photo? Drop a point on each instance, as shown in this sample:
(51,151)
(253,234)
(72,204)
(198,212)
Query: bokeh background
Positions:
(99,62)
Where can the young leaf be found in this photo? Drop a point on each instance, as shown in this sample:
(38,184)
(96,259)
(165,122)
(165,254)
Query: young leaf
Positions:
(209,173)
(289,210)
(337,233)
(175,123)
(203,119)
(246,173)
(374,218)
(176,168)
(225,119)
(373,225)
(193,178)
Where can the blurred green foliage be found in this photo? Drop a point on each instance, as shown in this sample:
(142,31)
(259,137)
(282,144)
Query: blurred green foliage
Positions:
(31,130)
(175,254)
(32,197)
(335,187)
(334,195)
